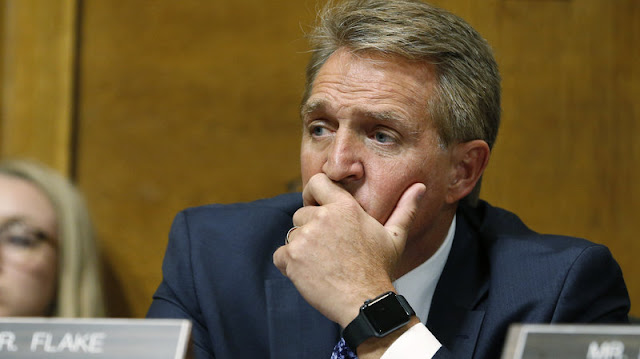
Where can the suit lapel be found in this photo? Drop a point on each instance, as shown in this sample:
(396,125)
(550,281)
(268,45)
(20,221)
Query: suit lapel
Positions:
(296,330)
(454,318)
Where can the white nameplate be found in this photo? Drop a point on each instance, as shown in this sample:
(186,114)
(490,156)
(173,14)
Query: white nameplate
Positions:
(533,341)
(93,338)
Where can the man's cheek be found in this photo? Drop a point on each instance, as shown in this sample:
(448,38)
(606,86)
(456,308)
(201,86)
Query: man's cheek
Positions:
(377,209)
(307,171)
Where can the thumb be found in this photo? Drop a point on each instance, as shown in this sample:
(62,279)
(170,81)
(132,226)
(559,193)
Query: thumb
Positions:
(404,214)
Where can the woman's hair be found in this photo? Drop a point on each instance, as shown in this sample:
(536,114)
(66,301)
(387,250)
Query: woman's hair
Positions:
(466,103)
(79,288)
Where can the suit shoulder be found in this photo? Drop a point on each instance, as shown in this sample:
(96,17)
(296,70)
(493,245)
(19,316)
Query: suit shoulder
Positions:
(499,227)
(286,204)
(513,248)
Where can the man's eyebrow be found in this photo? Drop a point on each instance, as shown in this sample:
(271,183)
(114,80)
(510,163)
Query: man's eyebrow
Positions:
(395,120)
(384,116)
(311,107)
(321,105)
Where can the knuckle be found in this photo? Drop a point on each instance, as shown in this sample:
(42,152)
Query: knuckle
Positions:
(322,214)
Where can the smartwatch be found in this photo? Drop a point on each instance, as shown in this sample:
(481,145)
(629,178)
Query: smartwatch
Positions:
(377,318)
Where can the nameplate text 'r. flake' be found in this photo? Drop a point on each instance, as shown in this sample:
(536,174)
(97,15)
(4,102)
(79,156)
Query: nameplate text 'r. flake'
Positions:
(93,338)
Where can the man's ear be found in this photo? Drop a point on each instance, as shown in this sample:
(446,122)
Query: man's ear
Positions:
(469,159)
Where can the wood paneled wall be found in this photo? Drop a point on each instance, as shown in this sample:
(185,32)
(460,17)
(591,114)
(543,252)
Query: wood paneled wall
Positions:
(183,103)
(38,52)
(191,102)
(2,31)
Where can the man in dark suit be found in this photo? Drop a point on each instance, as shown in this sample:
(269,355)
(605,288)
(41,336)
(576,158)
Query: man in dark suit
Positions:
(388,252)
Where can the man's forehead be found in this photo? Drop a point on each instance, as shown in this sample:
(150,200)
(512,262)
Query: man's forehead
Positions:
(376,76)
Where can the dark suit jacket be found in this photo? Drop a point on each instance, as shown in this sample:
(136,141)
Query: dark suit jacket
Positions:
(218,272)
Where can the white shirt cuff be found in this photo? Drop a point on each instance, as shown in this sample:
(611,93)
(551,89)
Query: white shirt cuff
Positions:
(417,342)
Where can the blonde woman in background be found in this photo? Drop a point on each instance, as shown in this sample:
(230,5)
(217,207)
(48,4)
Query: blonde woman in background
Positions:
(49,262)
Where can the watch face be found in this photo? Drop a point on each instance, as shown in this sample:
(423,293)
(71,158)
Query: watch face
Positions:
(386,314)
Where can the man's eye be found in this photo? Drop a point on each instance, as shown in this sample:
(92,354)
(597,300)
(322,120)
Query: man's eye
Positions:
(317,131)
(383,137)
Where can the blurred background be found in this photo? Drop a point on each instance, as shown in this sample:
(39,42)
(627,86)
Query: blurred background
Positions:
(151,106)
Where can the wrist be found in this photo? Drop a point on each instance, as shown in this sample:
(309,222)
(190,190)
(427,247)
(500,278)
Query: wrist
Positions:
(353,304)
(375,347)
(379,318)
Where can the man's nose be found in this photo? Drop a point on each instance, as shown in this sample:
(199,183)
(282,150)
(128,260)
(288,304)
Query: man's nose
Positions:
(344,158)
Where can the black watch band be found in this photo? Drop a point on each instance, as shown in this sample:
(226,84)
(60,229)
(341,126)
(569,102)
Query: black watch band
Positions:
(377,318)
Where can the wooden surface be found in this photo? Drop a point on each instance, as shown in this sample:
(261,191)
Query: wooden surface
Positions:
(192,102)
(182,103)
(2,43)
(38,51)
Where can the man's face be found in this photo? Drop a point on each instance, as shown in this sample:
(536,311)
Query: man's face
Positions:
(366,126)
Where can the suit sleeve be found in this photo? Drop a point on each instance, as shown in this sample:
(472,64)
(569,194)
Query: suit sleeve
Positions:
(176,296)
(594,290)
